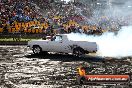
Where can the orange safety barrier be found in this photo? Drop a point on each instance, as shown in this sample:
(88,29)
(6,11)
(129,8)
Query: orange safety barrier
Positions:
(29,30)
(46,26)
(33,30)
(42,27)
(15,23)
(40,31)
(43,24)
(16,26)
(71,22)
(85,27)
(29,25)
(89,27)
(25,30)
(26,25)
(17,29)
(35,22)
(4,24)
(37,30)
(1,29)
(32,22)
(94,27)
(38,23)
(13,30)
(9,30)
(19,24)
(55,31)
(23,25)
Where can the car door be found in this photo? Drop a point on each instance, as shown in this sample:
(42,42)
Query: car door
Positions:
(57,44)
(45,45)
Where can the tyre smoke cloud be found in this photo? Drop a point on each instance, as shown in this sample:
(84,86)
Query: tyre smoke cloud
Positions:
(116,13)
(110,13)
(110,45)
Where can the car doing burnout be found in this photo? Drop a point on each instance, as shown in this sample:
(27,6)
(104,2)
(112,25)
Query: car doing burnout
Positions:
(61,44)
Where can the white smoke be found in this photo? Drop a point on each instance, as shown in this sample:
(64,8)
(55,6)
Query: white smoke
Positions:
(109,44)
(115,13)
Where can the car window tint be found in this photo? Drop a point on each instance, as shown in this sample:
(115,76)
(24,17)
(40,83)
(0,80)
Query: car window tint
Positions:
(58,38)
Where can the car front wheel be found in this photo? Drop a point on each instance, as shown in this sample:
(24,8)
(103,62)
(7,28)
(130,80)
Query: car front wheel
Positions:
(37,49)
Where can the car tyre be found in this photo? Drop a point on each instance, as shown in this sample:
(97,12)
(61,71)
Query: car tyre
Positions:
(78,51)
(37,50)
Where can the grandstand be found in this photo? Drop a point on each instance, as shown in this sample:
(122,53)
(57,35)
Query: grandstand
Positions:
(25,18)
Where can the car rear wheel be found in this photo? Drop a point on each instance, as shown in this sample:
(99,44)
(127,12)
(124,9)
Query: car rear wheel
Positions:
(37,50)
(78,51)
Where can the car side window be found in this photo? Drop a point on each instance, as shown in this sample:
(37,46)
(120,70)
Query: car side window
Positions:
(53,38)
(58,38)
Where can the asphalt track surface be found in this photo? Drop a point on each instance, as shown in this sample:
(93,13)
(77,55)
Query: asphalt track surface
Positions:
(19,68)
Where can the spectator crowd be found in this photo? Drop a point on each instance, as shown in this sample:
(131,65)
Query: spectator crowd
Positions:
(25,16)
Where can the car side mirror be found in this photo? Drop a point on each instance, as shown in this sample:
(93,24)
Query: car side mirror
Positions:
(52,39)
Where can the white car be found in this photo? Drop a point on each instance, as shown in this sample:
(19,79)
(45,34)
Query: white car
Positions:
(61,44)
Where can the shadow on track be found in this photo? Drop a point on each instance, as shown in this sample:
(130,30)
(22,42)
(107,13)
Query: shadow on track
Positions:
(67,58)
